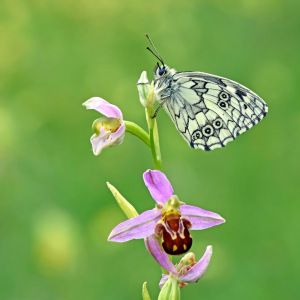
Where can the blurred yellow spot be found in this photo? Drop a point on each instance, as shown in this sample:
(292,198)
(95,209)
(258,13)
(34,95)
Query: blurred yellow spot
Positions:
(55,240)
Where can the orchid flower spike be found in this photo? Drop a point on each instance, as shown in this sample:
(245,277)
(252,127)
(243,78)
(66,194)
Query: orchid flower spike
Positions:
(170,220)
(109,130)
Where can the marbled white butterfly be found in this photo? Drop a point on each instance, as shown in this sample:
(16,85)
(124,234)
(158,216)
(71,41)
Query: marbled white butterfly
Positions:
(209,111)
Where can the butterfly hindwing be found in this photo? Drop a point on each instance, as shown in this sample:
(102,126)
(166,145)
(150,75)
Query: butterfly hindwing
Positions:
(209,111)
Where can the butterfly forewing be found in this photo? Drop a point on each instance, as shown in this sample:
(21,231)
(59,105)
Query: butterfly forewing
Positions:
(209,111)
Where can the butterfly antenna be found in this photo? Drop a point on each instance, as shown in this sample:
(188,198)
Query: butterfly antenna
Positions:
(155,56)
(158,55)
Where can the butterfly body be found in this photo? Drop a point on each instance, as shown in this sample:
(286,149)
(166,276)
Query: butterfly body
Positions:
(209,111)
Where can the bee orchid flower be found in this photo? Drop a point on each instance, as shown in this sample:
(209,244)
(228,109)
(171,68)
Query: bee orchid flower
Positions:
(170,221)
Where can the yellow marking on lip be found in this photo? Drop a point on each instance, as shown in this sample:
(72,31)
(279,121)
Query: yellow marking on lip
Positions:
(174,248)
(184,246)
(172,233)
(182,235)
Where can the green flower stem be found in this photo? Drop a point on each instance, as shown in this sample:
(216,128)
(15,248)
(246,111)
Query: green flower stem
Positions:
(137,131)
(154,138)
(153,131)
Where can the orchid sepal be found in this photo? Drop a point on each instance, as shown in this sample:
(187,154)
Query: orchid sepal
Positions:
(200,218)
(139,227)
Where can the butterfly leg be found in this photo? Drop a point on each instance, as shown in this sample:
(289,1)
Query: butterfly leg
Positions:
(160,106)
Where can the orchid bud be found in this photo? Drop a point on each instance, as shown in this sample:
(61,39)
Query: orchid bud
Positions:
(151,96)
(143,88)
(170,290)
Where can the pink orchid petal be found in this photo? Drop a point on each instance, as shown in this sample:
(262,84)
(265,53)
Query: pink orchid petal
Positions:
(164,278)
(159,186)
(200,218)
(104,107)
(155,249)
(199,269)
(136,228)
(107,139)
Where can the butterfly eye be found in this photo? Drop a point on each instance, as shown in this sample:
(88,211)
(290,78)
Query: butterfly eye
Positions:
(218,123)
(224,96)
(208,130)
(162,71)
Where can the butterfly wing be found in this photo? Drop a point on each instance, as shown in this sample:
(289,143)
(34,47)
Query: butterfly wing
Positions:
(210,111)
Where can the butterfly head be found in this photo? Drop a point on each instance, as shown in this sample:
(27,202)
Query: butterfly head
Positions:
(161,71)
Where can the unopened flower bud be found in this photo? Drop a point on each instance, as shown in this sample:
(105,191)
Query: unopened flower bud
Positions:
(143,88)
(170,290)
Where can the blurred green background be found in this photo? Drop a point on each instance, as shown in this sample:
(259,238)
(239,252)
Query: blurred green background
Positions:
(56,211)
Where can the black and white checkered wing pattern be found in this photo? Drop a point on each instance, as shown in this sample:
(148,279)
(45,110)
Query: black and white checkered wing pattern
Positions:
(210,111)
